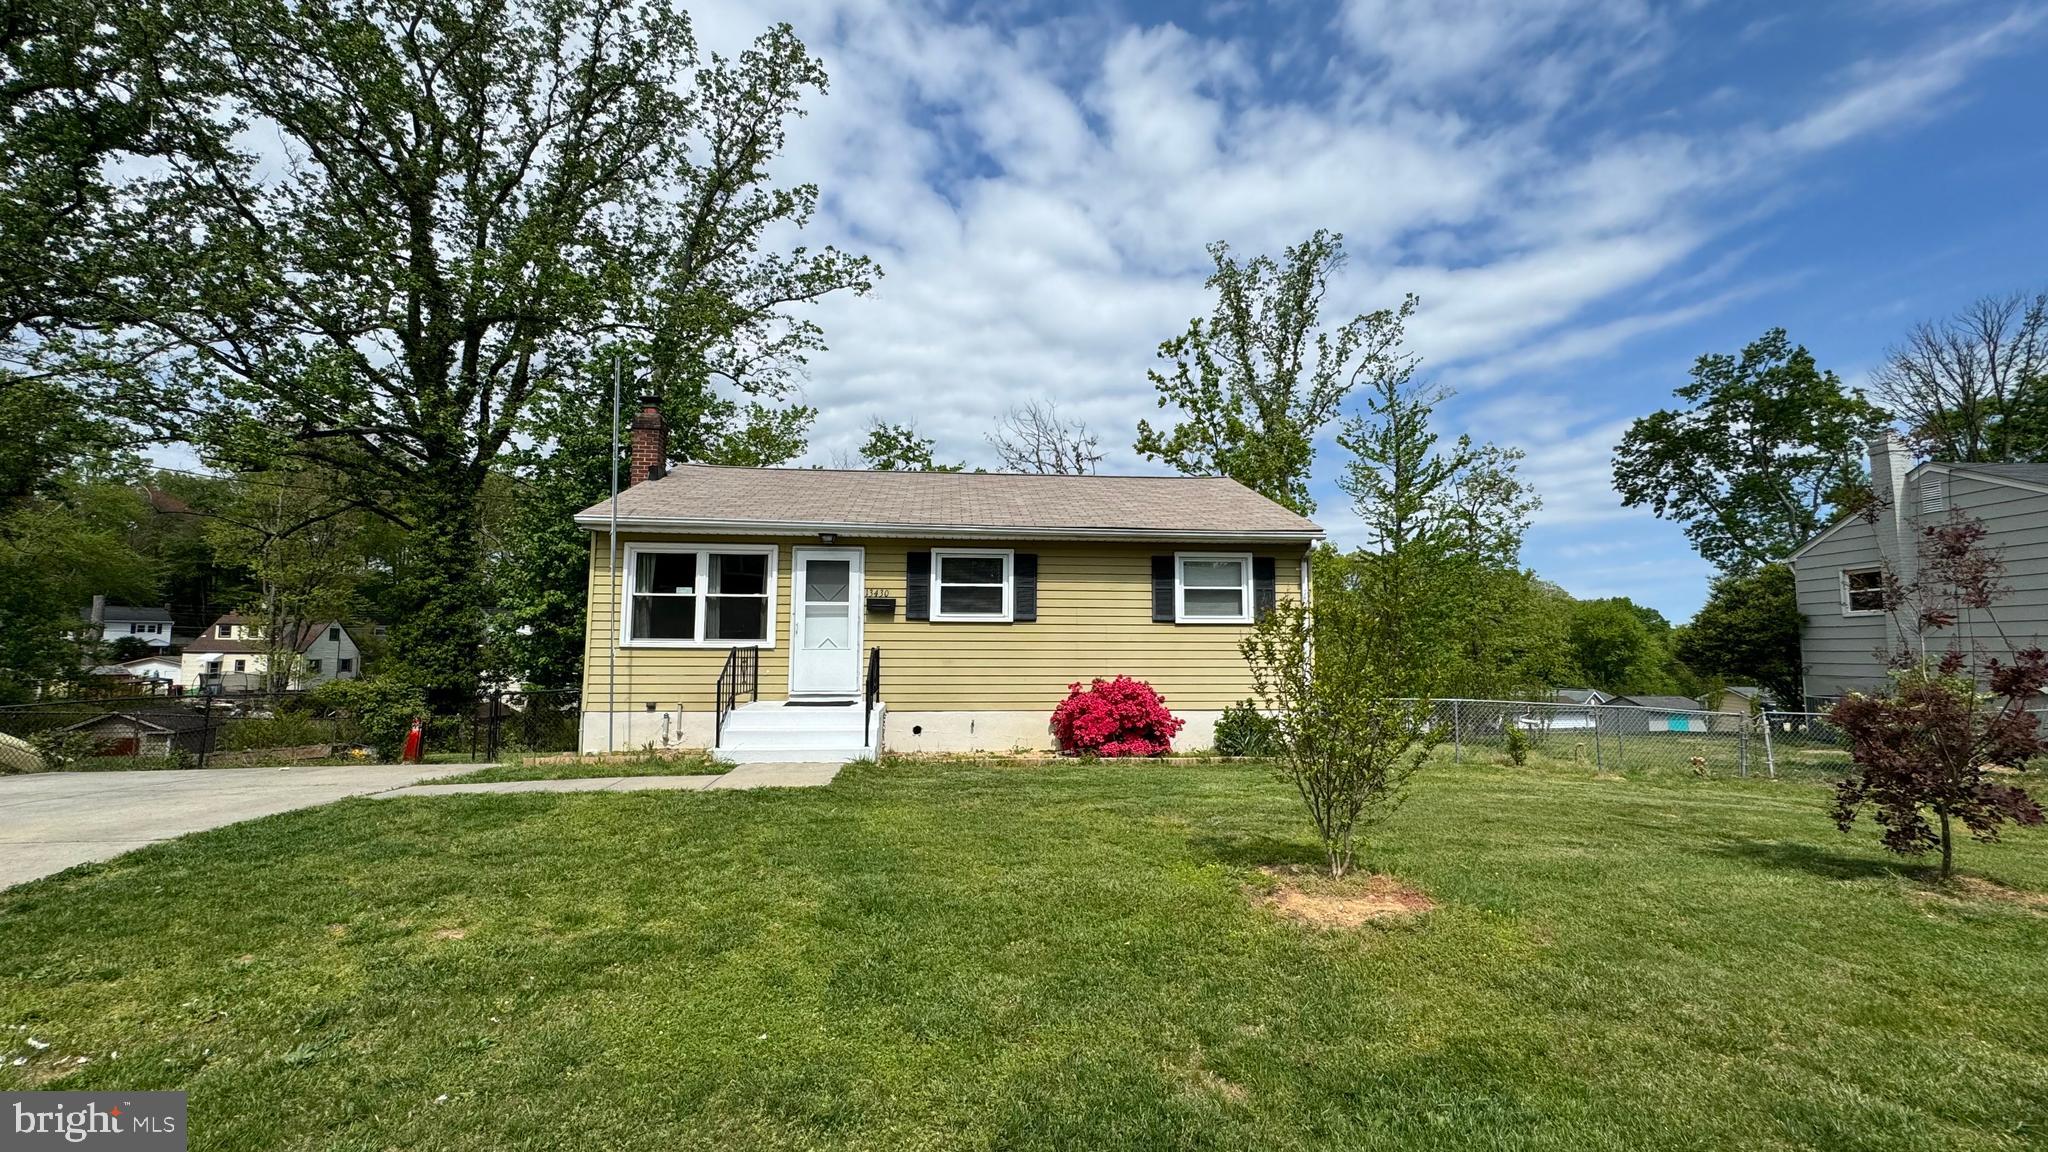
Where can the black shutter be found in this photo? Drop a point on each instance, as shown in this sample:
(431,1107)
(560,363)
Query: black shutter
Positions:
(1263,593)
(1162,589)
(1024,590)
(917,586)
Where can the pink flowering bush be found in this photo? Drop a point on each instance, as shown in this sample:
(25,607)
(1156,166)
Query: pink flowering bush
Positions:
(1120,717)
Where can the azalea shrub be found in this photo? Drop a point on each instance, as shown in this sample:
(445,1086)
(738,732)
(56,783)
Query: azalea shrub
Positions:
(1120,717)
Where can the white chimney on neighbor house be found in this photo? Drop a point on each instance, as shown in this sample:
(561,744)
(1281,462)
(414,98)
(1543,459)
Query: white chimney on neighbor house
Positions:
(1897,541)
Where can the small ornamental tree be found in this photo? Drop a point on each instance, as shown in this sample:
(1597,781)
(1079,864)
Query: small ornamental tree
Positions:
(1120,717)
(1351,736)
(1954,713)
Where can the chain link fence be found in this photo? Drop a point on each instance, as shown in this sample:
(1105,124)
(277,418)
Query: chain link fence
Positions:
(1604,737)
(245,729)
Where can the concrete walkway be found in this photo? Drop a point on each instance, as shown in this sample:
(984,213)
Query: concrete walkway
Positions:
(740,776)
(50,821)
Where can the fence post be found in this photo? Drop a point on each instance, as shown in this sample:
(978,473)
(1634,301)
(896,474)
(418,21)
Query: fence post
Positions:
(491,740)
(1742,748)
(206,728)
(1457,734)
(1770,754)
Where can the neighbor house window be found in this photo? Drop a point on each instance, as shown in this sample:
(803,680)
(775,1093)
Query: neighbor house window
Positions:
(1212,588)
(696,594)
(345,664)
(334,634)
(241,665)
(313,666)
(971,584)
(1862,591)
(226,631)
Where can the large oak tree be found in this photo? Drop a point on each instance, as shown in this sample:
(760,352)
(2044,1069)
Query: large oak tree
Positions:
(1766,450)
(433,212)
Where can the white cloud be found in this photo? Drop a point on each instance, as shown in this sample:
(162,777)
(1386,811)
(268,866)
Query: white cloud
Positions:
(1040,195)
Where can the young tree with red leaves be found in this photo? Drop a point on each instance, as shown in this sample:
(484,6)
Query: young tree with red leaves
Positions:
(1929,744)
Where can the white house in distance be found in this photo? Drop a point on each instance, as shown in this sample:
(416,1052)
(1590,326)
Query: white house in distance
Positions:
(152,626)
(233,654)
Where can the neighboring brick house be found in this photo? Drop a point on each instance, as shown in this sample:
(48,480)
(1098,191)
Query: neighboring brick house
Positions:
(232,656)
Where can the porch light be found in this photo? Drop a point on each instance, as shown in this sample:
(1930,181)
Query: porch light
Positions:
(828,537)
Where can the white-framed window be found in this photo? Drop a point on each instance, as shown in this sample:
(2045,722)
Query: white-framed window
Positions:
(1212,587)
(973,584)
(241,665)
(226,631)
(699,596)
(1862,591)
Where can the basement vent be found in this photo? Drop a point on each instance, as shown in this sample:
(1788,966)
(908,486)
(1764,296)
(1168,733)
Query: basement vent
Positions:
(1933,494)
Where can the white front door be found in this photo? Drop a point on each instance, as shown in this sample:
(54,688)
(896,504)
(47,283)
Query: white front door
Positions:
(824,622)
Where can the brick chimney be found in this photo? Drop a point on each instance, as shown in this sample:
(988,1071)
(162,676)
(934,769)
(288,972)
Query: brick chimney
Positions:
(647,458)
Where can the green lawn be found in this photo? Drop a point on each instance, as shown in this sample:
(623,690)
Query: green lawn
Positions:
(529,768)
(1063,956)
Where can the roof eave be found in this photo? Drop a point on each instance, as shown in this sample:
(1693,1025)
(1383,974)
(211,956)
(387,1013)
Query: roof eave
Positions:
(931,532)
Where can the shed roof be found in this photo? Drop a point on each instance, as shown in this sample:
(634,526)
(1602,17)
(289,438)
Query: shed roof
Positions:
(767,500)
(1667,703)
(163,718)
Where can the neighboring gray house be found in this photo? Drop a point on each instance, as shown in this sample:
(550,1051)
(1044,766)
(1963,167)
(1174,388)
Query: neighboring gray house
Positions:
(1839,572)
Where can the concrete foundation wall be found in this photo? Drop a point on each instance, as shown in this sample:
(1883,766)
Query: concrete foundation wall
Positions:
(642,729)
(992,731)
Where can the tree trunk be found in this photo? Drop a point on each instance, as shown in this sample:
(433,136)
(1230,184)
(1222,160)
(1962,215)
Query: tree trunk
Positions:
(437,637)
(1948,848)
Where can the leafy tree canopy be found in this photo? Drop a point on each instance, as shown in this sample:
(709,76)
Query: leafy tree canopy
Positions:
(1748,633)
(1766,450)
(899,448)
(468,197)
(1256,381)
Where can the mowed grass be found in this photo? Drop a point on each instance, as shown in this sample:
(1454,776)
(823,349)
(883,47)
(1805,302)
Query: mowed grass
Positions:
(552,768)
(1064,956)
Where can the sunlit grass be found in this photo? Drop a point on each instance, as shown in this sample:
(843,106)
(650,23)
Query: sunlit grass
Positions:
(1053,956)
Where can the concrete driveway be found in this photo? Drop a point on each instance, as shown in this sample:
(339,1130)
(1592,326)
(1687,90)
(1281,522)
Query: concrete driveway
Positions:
(50,821)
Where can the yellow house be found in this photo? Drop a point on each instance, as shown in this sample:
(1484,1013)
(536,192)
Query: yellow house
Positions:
(779,614)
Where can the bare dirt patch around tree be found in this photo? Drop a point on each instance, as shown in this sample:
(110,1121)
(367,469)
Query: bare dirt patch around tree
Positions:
(1972,888)
(1311,898)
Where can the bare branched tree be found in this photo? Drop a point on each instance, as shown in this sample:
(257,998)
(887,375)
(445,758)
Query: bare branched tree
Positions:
(1034,438)
(1974,387)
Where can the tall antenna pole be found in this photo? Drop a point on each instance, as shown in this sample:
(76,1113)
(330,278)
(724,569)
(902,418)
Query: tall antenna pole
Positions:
(611,713)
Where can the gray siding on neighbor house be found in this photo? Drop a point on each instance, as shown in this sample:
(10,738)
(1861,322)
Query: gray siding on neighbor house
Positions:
(1840,653)
(2018,522)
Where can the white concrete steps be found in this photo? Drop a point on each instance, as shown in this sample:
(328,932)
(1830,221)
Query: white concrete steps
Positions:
(774,731)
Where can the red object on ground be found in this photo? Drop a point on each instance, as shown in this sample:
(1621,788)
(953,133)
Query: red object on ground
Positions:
(414,745)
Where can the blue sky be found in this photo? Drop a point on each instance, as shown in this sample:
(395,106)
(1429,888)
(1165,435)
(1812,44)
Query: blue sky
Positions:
(1585,195)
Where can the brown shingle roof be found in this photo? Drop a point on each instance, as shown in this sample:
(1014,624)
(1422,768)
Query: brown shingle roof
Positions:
(211,641)
(986,503)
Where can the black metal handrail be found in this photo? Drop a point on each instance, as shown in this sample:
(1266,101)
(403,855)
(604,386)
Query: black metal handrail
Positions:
(872,694)
(742,673)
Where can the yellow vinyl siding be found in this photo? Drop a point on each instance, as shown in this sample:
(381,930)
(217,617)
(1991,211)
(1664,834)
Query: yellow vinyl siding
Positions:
(1094,619)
